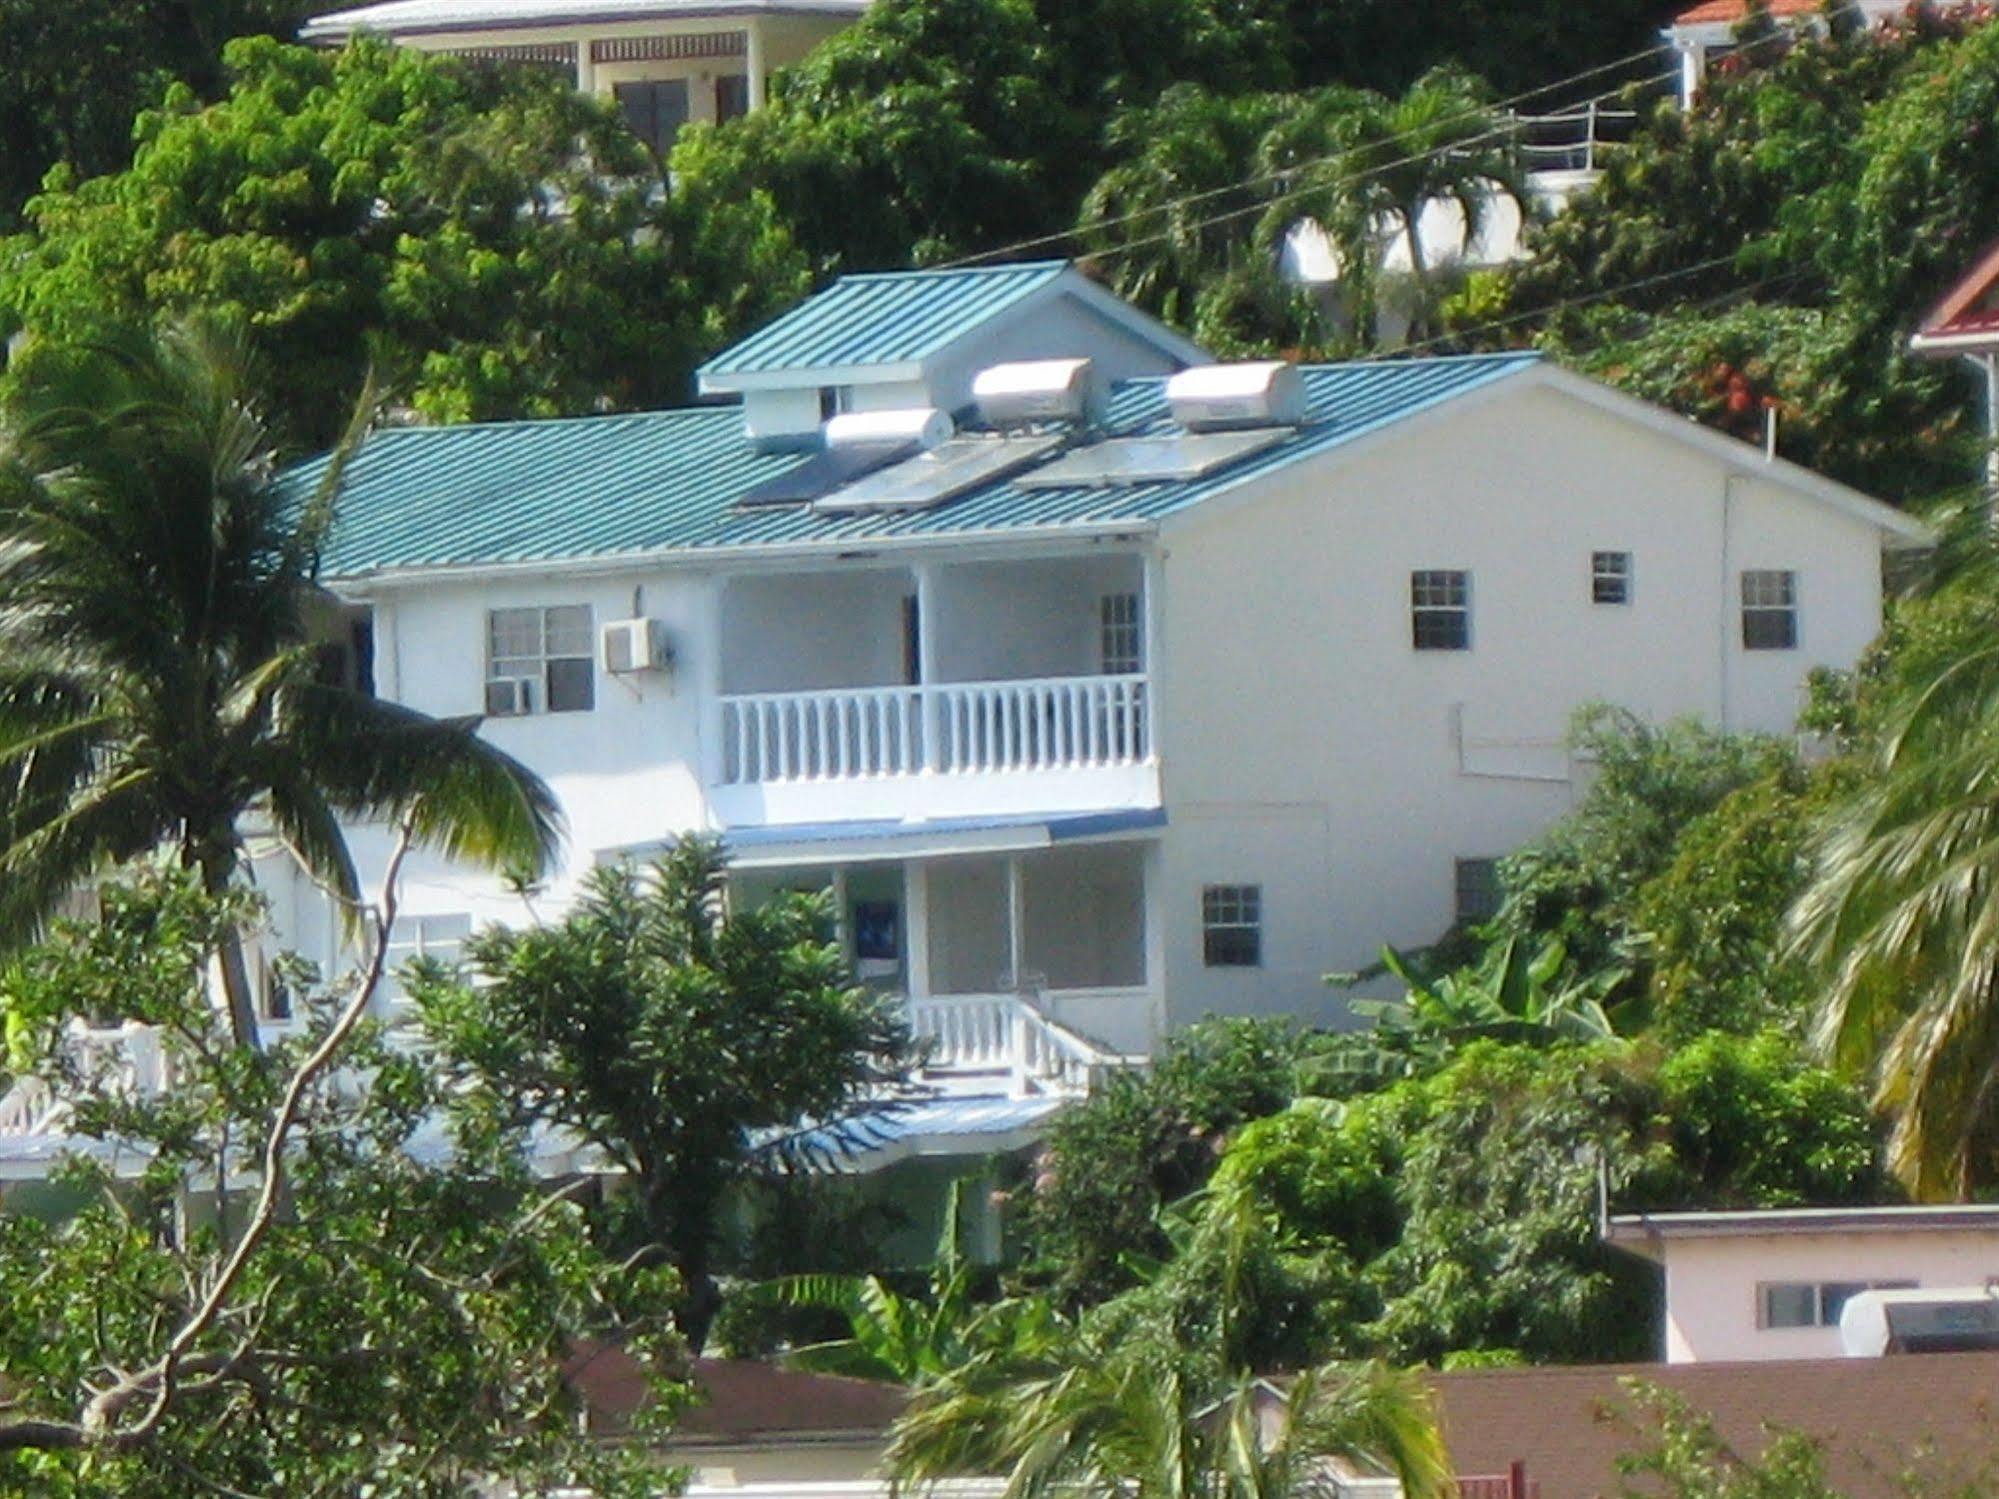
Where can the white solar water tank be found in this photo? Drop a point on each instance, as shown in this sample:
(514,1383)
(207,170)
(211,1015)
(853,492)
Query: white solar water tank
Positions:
(1029,391)
(1222,397)
(880,436)
(1940,1320)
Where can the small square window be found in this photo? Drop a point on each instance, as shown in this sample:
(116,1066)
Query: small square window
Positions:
(1122,640)
(1790,1305)
(1477,892)
(540,660)
(1610,577)
(1769,610)
(1232,926)
(1440,609)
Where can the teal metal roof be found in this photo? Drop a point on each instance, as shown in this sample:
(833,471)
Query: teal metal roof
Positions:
(895,317)
(595,487)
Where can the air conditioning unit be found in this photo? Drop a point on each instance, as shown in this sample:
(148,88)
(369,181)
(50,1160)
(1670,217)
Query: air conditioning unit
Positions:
(1223,397)
(634,645)
(1030,391)
(510,697)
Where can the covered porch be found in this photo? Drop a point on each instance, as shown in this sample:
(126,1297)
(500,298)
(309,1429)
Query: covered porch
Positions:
(839,688)
(1023,965)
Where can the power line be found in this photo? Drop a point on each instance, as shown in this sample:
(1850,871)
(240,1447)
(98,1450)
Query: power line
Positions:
(1478,112)
(1266,204)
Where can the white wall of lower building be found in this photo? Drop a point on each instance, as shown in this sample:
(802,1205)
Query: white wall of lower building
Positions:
(1714,1286)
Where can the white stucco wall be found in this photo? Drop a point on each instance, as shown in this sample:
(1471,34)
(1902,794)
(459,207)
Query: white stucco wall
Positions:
(1712,1300)
(1308,748)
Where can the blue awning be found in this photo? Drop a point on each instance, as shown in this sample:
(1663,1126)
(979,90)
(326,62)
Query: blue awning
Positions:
(972,1127)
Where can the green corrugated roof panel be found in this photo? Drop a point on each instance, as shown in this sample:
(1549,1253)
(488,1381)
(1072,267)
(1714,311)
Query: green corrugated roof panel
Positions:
(895,317)
(556,491)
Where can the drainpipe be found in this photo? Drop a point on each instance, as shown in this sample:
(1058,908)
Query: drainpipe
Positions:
(1727,619)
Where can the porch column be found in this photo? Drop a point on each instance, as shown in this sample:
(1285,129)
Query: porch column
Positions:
(1149,615)
(1693,71)
(926,665)
(712,757)
(753,49)
(586,67)
(1016,919)
(916,929)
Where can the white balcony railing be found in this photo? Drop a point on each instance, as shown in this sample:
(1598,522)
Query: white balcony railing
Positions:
(1052,723)
(126,1060)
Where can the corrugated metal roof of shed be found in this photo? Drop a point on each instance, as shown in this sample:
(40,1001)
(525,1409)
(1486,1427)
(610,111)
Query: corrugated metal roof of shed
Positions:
(892,317)
(592,487)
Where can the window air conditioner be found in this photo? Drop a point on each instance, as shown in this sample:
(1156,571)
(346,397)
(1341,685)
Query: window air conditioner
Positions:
(510,697)
(633,645)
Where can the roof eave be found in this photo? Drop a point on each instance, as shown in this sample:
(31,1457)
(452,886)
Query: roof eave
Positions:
(1952,345)
(331,28)
(735,383)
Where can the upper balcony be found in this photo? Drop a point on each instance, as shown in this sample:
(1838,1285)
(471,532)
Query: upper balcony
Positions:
(935,691)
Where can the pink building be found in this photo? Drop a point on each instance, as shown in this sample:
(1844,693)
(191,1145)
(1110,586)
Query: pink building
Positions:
(1752,1286)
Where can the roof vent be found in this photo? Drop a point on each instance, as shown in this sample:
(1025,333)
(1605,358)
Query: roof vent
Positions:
(1222,397)
(875,437)
(1956,1320)
(1032,391)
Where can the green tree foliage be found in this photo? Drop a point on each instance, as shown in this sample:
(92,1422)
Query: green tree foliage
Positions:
(261,1284)
(499,244)
(1454,1212)
(1808,190)
(74,73)
(685,1040)
(161,677)
(1144,1140)
(935,128)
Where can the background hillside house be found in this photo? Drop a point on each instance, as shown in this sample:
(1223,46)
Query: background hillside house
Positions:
(666,63)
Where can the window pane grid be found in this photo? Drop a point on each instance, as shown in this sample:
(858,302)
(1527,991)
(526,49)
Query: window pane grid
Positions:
(1476,893)
(1440,609)
(1232,926)
(1122,635)
(1769,610)
(1610,577)
(551,648)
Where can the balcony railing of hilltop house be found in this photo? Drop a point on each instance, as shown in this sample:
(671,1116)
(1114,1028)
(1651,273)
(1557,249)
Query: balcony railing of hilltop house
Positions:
(126,1060)
(1052,723)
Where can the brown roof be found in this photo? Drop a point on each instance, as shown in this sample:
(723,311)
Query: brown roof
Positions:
(739,1400)
(1970,309)
(1737,10)
(1569,1425)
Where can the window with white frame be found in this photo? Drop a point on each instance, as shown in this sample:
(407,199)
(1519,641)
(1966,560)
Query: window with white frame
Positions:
(1782,1304)
(1476,893)
(1769,610)
(1122,637)
(540,660)
(1610,577)
(1232,926)
(1440,609)
(441,939)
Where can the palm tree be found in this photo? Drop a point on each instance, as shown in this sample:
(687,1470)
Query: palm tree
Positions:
(1901,915)
(1137,1422)
(159,682)
(1362,164)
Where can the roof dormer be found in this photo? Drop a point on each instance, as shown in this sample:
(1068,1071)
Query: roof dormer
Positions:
(910,340)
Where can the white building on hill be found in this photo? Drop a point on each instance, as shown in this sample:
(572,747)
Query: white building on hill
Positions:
(1104,700)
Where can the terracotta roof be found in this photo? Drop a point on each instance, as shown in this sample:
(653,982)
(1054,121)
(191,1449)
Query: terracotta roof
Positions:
(1728,12)
(740,1400)
(1968,311)
(1570,1425)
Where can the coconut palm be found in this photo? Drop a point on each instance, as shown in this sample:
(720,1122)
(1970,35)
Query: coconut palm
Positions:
(1901,915)
(160,684)
(1138,1422)
(1364,166)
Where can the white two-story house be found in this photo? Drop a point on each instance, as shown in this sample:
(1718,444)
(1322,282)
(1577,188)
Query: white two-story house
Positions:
(1108,688)
(1130,703)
